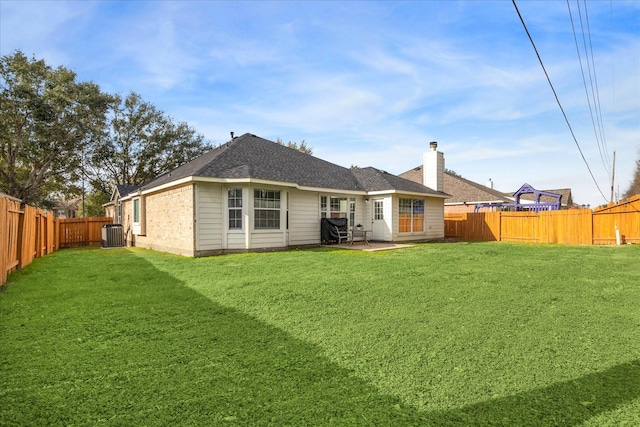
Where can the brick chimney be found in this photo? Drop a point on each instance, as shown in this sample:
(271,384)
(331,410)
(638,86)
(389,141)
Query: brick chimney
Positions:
(433,168)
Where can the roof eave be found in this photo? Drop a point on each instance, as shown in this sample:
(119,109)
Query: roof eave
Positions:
(258,181)
(411,193)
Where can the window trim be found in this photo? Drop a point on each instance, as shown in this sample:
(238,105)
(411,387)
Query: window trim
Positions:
(136,210)
(326,207)
(415,217)
(138,216)
(233,207)
(378,210)
(273,213)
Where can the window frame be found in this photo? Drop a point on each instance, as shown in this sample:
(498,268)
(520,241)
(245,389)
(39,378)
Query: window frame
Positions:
(378,210)
(235,205)
(267,209)
(137,216)
(328,203)
(136,210)
(415,209)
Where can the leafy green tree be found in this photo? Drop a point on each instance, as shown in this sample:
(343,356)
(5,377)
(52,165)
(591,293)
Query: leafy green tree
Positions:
(93,202)
(140,142)
(47,121)
(302,146)
(634,187)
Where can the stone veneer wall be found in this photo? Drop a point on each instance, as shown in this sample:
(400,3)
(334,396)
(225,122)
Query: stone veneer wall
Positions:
(169,221)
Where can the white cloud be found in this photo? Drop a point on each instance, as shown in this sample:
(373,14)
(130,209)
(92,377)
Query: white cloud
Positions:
(363,83)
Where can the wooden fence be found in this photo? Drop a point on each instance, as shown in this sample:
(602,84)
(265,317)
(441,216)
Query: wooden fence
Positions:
(603,226)
(27,233)
(82,231)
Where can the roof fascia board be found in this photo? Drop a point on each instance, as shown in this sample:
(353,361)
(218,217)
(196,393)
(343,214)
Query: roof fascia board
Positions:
(189,179)
(244,181)
(277,183)
(408,193)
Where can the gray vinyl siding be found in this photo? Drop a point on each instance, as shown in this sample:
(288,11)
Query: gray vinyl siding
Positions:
(433,221)
(434,213)
(268,239)
(304,218)
(209,216)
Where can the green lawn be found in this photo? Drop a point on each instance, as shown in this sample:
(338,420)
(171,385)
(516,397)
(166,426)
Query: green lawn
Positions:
(438,334)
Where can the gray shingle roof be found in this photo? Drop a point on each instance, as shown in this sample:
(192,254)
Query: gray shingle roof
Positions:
(124,189)
(249,156)
(461,189)
(373,179)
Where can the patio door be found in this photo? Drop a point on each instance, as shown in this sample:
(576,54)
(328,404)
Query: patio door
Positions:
(378,226)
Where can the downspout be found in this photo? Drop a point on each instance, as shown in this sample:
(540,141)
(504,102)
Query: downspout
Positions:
(194,207)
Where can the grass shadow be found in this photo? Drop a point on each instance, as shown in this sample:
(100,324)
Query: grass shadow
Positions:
(126,344)
(564,404)
(111,339)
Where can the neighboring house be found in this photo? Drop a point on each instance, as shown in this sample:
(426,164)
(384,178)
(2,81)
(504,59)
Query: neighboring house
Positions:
(113,208)
(255,194)
(469,196)
(465,194)
(68,208)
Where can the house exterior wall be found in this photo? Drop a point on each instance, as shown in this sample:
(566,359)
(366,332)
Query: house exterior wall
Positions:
(193,219)
(299,219)
(127,214)
(382,229)
(265,239)
(209,223)
(168,221)
(304,218)
(212,232)
(110,211)
(433,220)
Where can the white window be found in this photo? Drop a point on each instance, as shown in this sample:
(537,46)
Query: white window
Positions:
(136,211)
(410,215)
(266,204)
(118,212)
(234,205)
(352,212)
(323,206)
(378,210)
(137,226)
(338,207)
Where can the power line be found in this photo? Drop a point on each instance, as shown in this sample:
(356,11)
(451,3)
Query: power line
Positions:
(595,78)
(601,147)
(592,65)
(557,99)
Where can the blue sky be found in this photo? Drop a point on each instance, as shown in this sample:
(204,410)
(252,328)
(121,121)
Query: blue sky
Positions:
(371,83)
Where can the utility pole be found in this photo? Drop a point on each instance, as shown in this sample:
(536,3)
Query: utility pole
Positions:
(613,176)
(83,191)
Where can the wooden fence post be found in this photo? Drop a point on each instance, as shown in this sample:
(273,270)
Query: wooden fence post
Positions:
(4,239)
